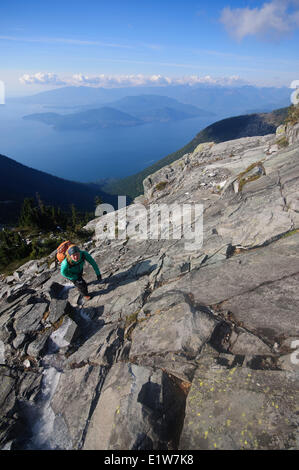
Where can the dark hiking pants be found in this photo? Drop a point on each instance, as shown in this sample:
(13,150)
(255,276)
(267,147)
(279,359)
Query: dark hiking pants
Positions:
(81,286)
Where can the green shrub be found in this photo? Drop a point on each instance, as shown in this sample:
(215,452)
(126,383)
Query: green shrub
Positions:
(244,178)
(282,142)
(160,186)
(293,115)
(41,248)
(290,233)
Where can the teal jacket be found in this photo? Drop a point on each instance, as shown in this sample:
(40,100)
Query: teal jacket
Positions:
(74,271)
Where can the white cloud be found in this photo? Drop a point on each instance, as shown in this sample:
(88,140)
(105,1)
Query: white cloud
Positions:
(274,19)
(112,81)
(41,78)
(207,79)
(117,81)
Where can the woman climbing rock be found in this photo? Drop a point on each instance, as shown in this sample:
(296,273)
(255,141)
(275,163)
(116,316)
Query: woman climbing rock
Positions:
(72,268)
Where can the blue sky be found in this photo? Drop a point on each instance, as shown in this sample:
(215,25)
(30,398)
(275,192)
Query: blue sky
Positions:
(45,44)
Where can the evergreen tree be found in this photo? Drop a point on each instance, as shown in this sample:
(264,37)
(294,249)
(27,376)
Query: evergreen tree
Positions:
(28,217)
(98,200)
(74,216)
(12,247)
(40,204)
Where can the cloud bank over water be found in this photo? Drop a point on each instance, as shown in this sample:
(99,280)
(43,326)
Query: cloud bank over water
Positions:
(114,81)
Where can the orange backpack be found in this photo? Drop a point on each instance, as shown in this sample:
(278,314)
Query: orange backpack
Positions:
(61,250)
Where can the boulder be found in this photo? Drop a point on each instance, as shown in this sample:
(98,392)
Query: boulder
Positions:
(2,353)
(37,347)
(271,310)
(19,341)
(58,308)
(17,291)
(29,318)
(119,298)
(63,336)
(180,332)
(244,342)
(9,424)
(73,402)
(40,279)
(101,348)
(30,384)
(136,410)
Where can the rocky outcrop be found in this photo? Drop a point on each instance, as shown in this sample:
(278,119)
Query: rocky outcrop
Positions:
(240,408)
(183,345)
(151,423)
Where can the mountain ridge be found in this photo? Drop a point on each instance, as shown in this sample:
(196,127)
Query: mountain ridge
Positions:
(128,111)
(18,181)
(206,96)
(130,186)
(231,128)
(92,119)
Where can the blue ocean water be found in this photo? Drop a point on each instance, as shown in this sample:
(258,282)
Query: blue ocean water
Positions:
(87,156)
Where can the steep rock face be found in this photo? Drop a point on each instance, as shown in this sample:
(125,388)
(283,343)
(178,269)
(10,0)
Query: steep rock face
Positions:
(148,424)
(240,408)
(188,343)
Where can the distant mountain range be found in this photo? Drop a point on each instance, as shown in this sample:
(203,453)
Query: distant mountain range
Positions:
(158,108)
(221,131)
(222,100)
(93,119)
(129,111)
(18,181)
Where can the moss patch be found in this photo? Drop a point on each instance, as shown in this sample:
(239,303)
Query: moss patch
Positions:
(289,234)
(160,186)
(293,115)
(282,142)
(245,176)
